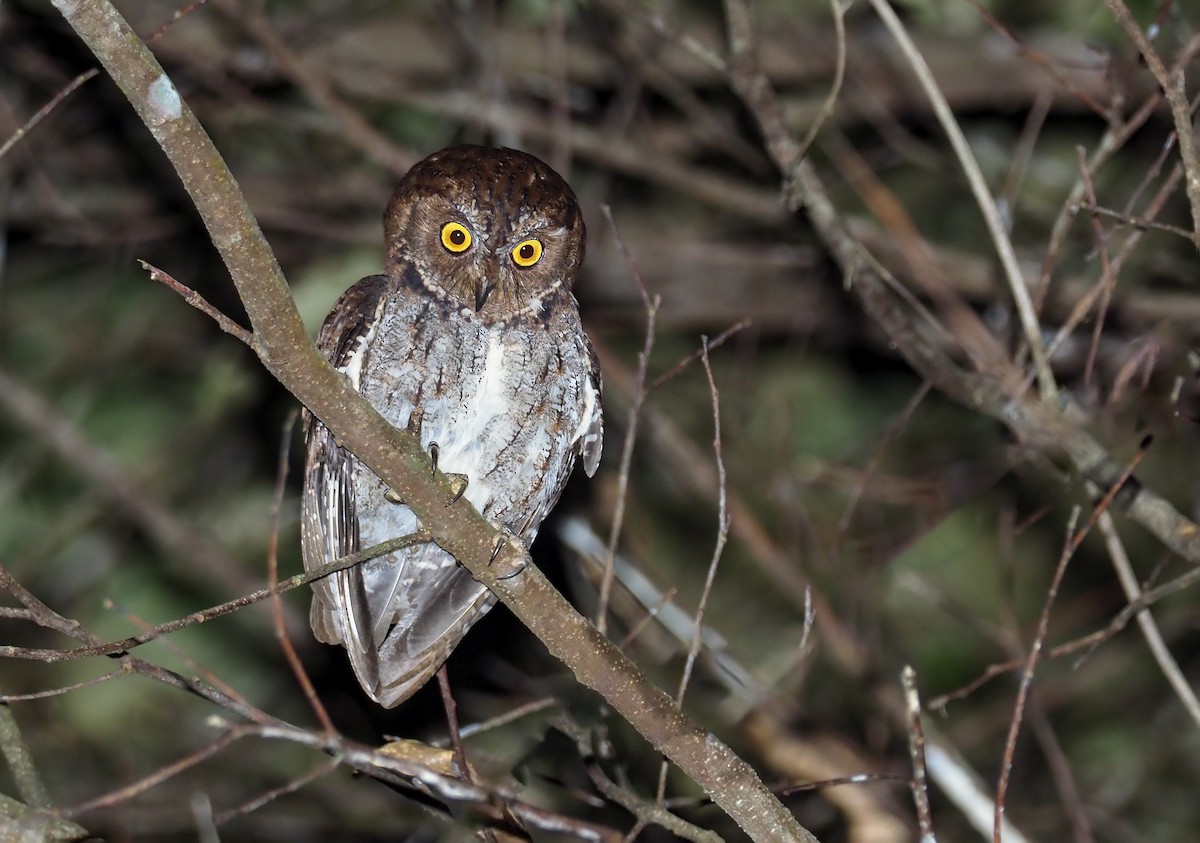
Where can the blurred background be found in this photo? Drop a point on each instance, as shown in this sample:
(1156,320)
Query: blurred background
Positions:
(139,444)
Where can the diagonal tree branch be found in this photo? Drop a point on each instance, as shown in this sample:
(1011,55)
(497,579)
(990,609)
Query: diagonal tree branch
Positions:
(281,342)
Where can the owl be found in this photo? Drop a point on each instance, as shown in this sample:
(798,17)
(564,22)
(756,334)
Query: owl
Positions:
(472,340)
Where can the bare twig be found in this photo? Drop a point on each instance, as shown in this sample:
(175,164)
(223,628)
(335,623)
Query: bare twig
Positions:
(322,769)
(1108,278)
(509,716)
(451,709)
(1074,538)
(123,670)
(916,754)
(631,427)
(839,74)
(1154,639)
(722,525)
(718,549)
(178,15)
(1134,221)
(200,303)
(1035,650)
(963,787)
(44,112)
(894,429)
(127,644)
(168,771)
(277,618)
(1172,83)
(713,344)
(983,197)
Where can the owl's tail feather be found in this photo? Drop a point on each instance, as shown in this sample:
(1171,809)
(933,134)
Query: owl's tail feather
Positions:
(399,674)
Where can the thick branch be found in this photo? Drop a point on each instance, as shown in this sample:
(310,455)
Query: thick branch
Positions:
(283,345)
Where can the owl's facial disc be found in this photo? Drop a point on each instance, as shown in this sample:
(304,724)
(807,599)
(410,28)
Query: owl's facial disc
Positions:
(491,231)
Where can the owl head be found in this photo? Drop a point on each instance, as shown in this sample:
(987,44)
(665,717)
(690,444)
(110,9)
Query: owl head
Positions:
(492,231)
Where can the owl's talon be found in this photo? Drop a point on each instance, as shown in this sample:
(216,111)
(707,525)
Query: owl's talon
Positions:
(434,450)
(392,496)
(459,483)
(509,556)
(414,421)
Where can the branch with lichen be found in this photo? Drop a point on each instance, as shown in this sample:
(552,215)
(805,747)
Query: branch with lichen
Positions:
(282,344)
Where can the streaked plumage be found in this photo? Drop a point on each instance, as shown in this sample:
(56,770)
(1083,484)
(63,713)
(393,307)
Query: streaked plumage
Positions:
(490,356)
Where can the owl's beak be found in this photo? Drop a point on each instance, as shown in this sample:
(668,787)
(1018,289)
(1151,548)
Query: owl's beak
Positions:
(482,290)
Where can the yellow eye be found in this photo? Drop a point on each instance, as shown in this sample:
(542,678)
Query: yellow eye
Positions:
(528,252)
(455,237)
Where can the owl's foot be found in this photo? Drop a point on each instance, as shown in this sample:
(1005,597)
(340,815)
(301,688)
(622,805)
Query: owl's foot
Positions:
(414,421)
(509,556)
(458,483)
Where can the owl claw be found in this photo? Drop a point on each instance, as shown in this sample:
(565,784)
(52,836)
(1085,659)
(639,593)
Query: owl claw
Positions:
(414,421)
(509,556)
(459,483)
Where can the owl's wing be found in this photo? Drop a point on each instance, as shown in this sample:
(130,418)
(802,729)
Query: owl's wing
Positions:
(329,521)
(434,602)
(590,439)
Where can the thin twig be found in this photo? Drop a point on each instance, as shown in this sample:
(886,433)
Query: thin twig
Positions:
(680,367)
(21,764)
(44,112)
(126,644)
(1154,640)
(722,526)
(1172,84)
(1010,744)
(718,550)
(197,668)
(178,15)
(1141,223)
(123,670)
(916,754)
(893,430)
(1108,278)
(649,615)
(631,427)
(278,625)
(1070,546)
(983,197)
(839,75)
(167,771)
(509,716)
(322,769)
(200,303)
(451,709)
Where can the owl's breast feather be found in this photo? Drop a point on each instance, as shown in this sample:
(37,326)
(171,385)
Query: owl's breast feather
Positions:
(503,405)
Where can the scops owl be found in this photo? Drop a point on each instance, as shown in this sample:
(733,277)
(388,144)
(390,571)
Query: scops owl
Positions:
(472,338)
